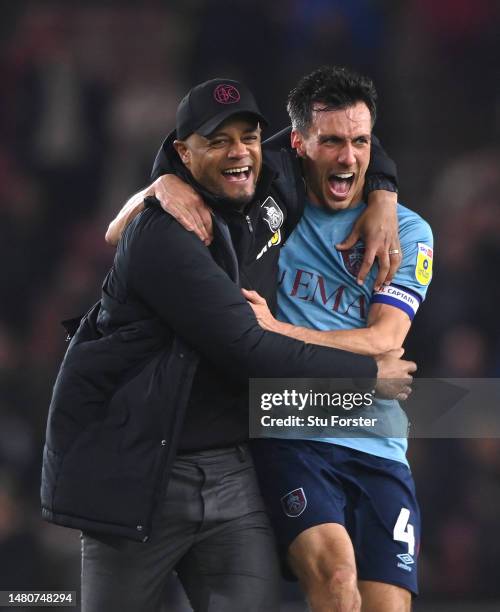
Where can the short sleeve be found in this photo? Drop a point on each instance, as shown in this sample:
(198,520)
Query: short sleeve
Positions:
(410,283)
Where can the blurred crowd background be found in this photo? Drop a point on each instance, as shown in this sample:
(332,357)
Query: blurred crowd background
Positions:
(89,90)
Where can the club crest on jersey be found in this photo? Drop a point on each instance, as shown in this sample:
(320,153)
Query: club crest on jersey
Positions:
(294,503)
(423,269)
(273,214)
(353,257)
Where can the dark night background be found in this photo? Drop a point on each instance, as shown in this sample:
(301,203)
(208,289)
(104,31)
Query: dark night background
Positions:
(87,93)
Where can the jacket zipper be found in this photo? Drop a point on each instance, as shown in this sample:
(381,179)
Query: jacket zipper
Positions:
(249,223)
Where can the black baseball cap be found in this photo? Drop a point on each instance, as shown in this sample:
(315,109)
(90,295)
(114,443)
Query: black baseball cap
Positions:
(210,103)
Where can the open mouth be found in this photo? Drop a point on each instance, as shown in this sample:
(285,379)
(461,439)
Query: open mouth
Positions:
(237,175)
(341,183)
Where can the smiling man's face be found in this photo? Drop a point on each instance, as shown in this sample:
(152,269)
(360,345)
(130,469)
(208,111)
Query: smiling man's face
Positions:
(336,152)
(228,161)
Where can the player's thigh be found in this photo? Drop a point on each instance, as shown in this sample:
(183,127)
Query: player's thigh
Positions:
(321,553)
(380,597)
(298,486)
(383,520)
(234,567)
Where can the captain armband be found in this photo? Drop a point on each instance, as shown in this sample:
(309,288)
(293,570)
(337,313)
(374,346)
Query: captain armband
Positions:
(400,297)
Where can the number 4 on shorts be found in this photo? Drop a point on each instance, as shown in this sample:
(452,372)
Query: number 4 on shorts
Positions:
(404,532)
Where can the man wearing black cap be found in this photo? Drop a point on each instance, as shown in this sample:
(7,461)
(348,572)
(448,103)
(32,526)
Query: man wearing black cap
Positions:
(146,434)
(203,109)
(203,113)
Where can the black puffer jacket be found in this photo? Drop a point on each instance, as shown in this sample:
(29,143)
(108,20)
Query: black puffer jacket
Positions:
(119,400)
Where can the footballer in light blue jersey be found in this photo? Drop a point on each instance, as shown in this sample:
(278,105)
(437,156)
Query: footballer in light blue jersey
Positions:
(318,289)
(361,483)
(346,503)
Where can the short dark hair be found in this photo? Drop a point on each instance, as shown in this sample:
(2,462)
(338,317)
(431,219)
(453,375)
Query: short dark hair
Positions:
(335,87)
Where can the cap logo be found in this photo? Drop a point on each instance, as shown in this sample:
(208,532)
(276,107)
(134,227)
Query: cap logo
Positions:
(226,94)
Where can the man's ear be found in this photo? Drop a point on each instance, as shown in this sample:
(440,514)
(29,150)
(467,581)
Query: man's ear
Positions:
(297,142)
(183,152)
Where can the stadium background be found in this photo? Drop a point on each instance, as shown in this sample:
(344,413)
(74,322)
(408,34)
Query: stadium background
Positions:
(88,93)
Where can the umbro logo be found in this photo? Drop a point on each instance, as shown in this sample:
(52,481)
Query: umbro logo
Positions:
(406,558)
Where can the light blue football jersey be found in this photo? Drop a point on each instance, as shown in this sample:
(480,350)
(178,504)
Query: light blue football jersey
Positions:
(318,289)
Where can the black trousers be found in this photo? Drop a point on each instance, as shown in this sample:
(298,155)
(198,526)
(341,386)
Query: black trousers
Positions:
(211,529)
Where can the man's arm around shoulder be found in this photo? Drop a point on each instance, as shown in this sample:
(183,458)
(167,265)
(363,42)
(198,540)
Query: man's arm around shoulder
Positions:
(175,275)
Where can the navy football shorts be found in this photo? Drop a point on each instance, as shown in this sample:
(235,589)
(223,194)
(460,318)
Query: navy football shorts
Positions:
(308,483)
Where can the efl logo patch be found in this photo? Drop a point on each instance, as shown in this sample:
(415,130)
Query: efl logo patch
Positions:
(423,269)
(353,258)
(273,215)
(294,503)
